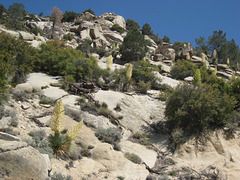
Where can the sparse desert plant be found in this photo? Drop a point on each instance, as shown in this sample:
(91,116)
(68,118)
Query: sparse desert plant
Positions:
(142,87)
(59,176)
(121,177)
(133,157)
(21,96)
(118,107)
(110,135)
(45,100)
(39,141)
(117,28)
(60,142)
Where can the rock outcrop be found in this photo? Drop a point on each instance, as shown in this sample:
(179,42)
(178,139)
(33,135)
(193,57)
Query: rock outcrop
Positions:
(20,161)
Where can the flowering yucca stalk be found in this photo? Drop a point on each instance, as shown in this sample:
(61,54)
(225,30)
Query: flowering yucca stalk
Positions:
(57,121)
(73,132)
(188,57)
(117,47)
(109,62)
(203,58)
(228,61)
(129,71)
(214,54)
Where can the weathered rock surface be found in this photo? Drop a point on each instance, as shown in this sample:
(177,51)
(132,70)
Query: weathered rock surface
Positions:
(148,156)
(19,161)
(5,122)
(113,36)
(10,32)
(26,36)
(8,137)
(214,151)
(188,79)
(25,87)
(116,164)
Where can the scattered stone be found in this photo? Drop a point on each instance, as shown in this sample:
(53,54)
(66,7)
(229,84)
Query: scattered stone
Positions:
(5,122)
(113,36)
(8,137)
(188,79)
(25,87)
(158,57)
(20,161)
(26,36)
(25,106)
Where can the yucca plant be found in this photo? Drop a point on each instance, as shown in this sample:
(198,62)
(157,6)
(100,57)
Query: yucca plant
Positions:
(203,58)
(228,61)
(129,71)
(109,62)
(188,57)
(59,141)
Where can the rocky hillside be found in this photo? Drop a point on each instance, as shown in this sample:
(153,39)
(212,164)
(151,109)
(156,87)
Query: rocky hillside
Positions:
(95,159)
(120,138)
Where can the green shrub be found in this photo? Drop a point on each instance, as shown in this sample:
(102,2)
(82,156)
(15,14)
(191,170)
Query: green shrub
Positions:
(59,176)
(143,87)
(142,138)
(16,61)
(39,141)
(90,11)
(134,158)
(121,177)
(198,109)
(197,78)
(68,37)
(110,135)
(143,71)
(131,24)
(11,131)
(117,28)
(183,69)
(21,96)
(46,100)
(69,16)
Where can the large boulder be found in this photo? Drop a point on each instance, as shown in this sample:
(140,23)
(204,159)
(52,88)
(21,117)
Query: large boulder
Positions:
(86,25)
(20,161)
(5,122)
(153,44)
(158,57)
(87,16)
(11,33)
(105,24)
(116,164)
(26,36)
(85,34)
(95,32)
(113,36)
(148,156)
(120,21)
(115,19)
(25,87)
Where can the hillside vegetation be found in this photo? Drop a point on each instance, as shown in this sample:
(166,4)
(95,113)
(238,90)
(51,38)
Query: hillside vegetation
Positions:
(119,56)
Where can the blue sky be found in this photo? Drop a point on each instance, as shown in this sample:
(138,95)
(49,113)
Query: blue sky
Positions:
(181,20)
